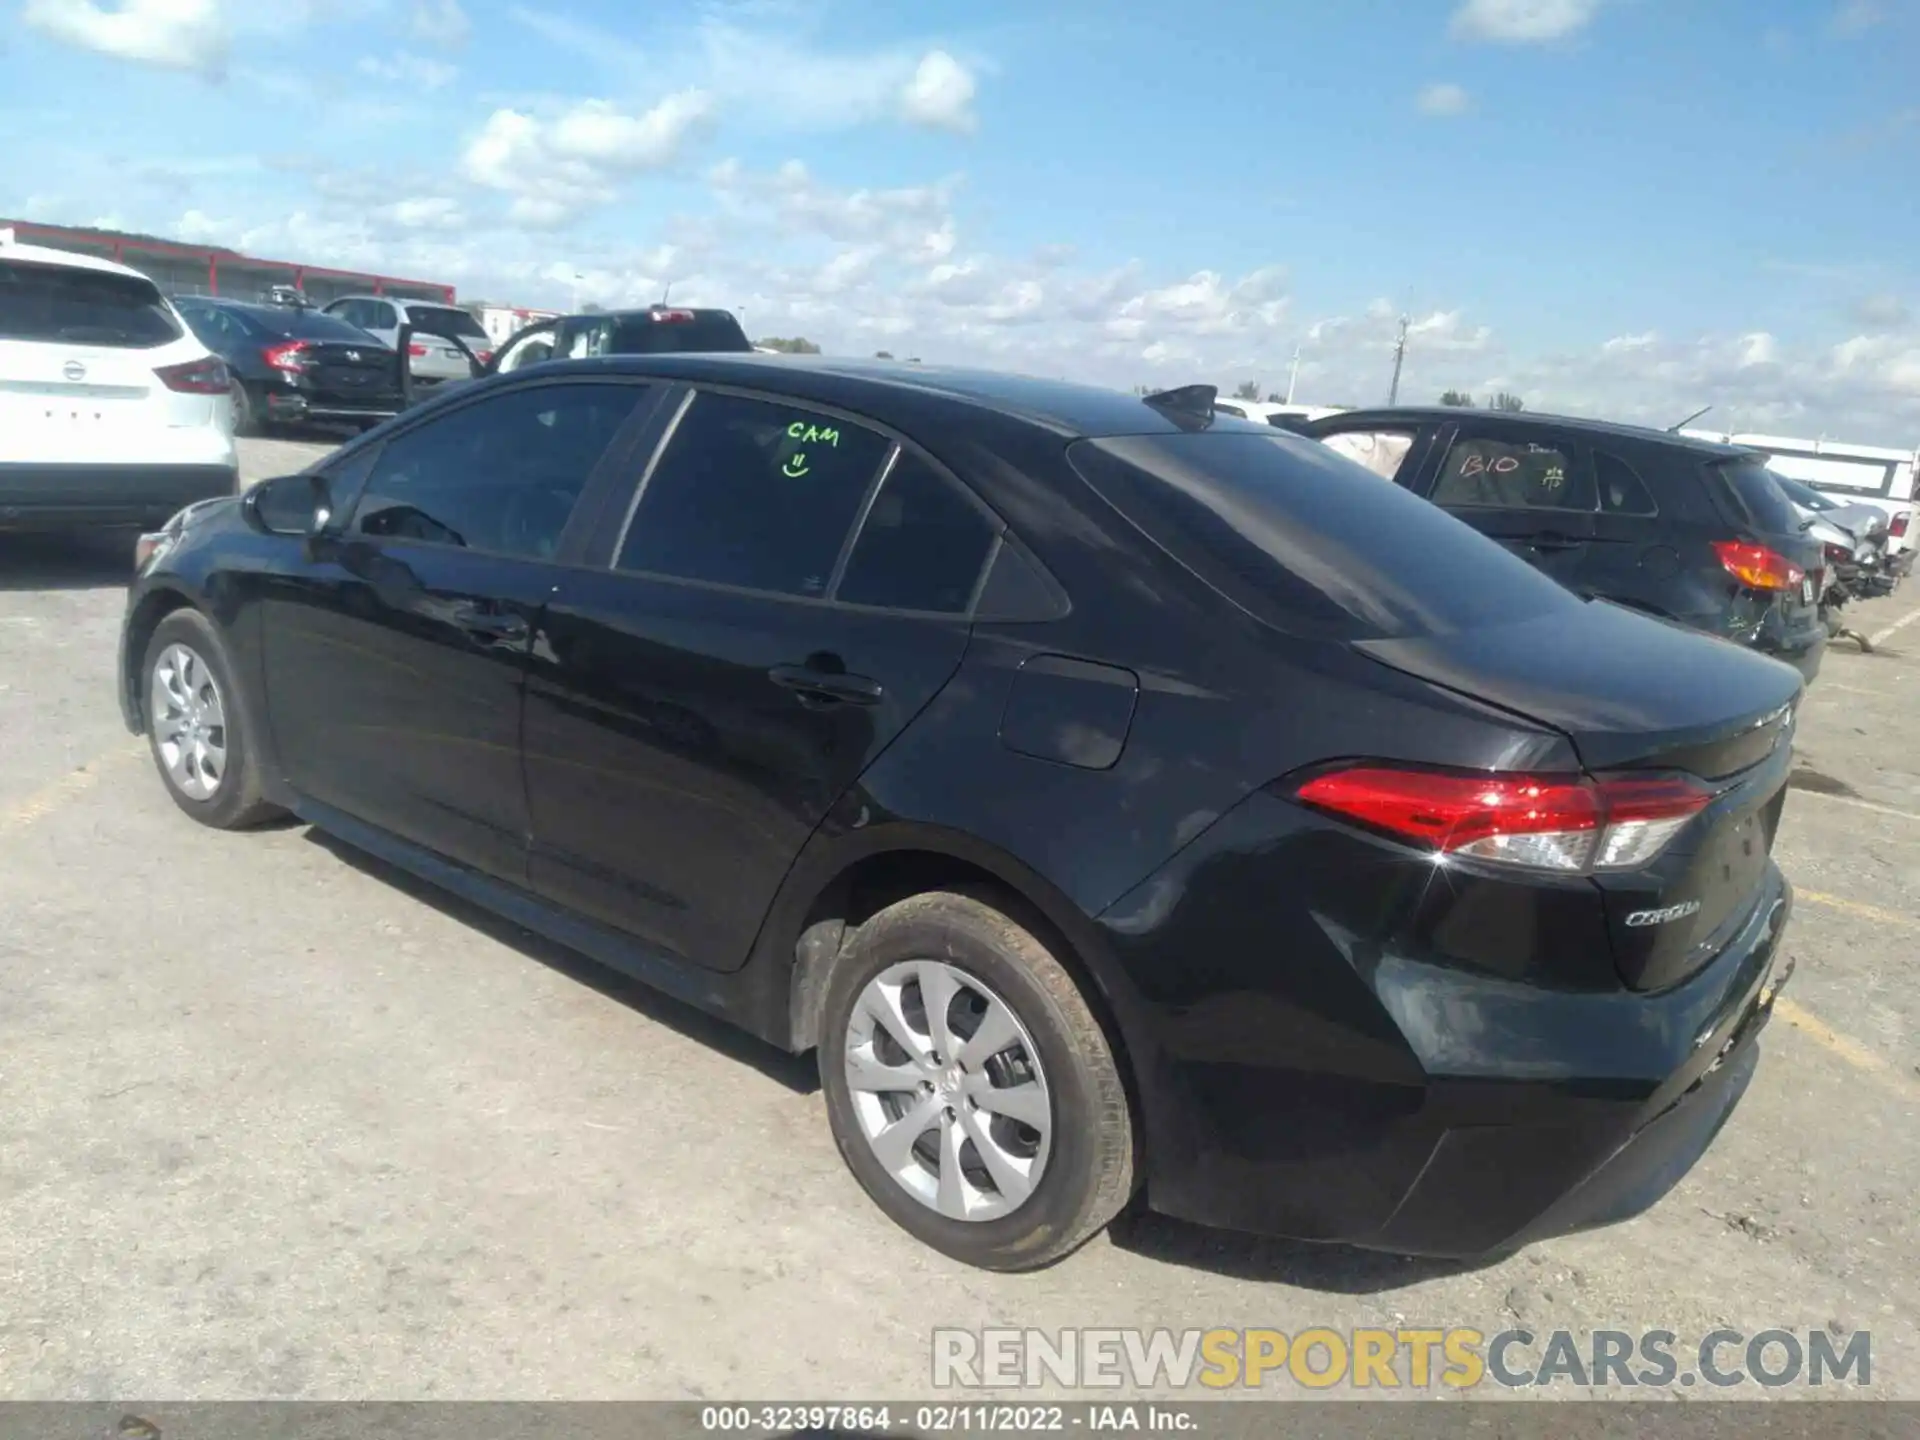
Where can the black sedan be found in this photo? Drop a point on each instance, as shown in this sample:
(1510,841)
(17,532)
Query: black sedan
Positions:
(292,365)
(1119,799)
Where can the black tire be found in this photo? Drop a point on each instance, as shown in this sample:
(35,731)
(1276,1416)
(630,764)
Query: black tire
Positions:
(235,802)
(246,416)
(1088,1176)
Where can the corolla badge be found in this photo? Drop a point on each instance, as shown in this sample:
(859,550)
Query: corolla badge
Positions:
(1667,916)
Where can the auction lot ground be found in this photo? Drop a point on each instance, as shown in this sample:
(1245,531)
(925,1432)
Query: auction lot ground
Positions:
(274,1123)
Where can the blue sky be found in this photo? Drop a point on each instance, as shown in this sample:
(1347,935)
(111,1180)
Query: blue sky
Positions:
(1632,207)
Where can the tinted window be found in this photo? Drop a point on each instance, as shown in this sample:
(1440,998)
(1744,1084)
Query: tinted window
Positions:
(1307,542)
(1511,475)
(921,547)
(704,331)
(1804,495)
(85,307)
(1759,497)
(378,315)
(1222,408)
(1381,451)
(444,320)
(754,494)
(312,325)
(500,475)
(1622,491)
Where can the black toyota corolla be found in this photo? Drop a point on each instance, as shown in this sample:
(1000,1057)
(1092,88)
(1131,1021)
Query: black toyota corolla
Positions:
(1123,801)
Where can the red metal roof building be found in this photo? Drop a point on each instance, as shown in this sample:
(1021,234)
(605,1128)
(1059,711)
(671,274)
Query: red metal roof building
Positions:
(210,270)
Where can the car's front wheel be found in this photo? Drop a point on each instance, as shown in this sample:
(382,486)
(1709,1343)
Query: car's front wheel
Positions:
(971,1090)
(195,728)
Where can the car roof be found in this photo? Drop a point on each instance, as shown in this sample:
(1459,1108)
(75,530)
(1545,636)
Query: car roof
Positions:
(71,259)
(1522,420)
(885,388)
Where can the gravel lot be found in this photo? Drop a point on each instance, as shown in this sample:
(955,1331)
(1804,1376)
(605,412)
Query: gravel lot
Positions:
(279,1124)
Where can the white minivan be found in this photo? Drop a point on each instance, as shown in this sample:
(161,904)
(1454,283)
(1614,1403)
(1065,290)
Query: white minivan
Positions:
(111,412)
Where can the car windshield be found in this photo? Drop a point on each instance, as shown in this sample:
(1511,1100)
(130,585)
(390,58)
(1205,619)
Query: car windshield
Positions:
(445,320)
(1760,496)
(82,307)
(1310,542)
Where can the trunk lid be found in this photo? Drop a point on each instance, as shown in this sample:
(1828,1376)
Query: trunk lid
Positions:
(1638,694)
(344,368)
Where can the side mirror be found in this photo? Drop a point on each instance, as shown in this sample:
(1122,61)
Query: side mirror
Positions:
(290,505)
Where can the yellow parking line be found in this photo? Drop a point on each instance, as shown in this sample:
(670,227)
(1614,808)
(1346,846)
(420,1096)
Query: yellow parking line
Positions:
(1849,1050)
(1855,907)
(45,801)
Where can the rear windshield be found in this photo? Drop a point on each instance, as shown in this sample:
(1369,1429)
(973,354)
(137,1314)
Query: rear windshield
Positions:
(82,307)
(444,320)
(1805,495)
(707,332)
(313,325)
(1760,500)
(1310,542)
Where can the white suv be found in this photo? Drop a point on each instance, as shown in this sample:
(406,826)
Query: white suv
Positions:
(434,357)
(111,412)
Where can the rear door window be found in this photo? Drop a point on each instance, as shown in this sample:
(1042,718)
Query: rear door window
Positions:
(704,331)
(755,494)
(1502,473)
(53,304)
(1622,491)
(922,545)
(1283,531)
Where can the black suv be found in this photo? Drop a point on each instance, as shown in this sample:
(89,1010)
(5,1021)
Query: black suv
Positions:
(1681,528)
(655,330)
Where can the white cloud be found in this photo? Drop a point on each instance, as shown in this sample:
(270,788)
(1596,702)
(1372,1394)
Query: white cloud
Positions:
(1522,22)
(405,69)
(174,34)
(441,22)
(782,76)
(556,167)
(1883,311)
(940,94)
(1444,100)
(1758,348)
(1854,16)
(1623,344)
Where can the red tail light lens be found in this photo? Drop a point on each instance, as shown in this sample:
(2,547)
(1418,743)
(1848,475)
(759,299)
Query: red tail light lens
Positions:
(1899,526)
(1837,554)
(1757,567)
(416,349)
(1532,822)
(196,377)
(483,356)
(290,356)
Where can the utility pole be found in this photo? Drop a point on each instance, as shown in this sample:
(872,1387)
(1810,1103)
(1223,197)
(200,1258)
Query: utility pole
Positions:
(1399,357)
(1293,373)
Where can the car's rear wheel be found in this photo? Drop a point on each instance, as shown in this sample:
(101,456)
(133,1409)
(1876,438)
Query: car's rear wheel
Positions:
(971,1090)
(195,728)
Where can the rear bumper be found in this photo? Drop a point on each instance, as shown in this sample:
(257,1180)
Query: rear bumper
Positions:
(294,406)
(49,497)
(1802,648)
(1328,1088)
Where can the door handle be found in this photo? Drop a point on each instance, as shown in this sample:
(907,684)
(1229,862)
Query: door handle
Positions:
(491,625)
(826,687)
(1553,540)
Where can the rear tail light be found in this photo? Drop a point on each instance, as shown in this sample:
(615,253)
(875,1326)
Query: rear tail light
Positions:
(1531,822)
(196,377)
(1899,526)
(290,356)
(672,317)
(1837,554)
(1757,567)
(483,356)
